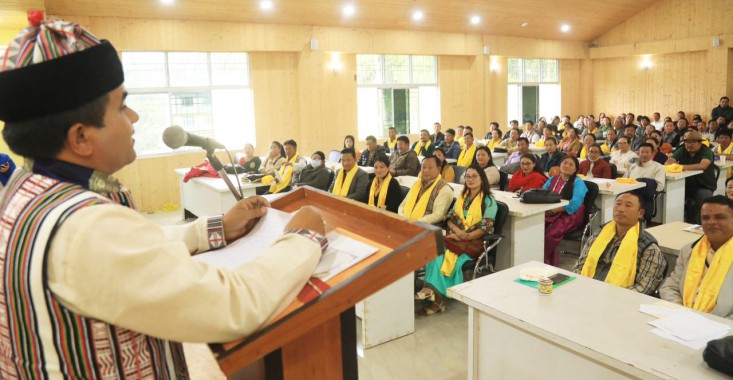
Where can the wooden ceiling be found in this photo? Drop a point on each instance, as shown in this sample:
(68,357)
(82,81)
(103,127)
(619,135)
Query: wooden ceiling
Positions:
(588,19)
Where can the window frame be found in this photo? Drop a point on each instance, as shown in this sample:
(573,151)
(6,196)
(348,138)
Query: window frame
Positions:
(541,72)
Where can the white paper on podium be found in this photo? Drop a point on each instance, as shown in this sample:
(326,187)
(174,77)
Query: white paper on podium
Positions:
(342,252)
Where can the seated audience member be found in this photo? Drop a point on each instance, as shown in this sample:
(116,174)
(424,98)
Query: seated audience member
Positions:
(714,128)
(592,128)
(446,170)
(547,132)
(495,139)
(290,168)
(595,166)
(511,164)
(622,253)
(468,152)
(630,134)
(529,177)
(370,154)
(471,219)
(391,144)
(315,174)
(588,140)
(384,190)
(437,137)
(403,161)
(513,125)
(724,148)
(670,134)
(450,146)
(723,109)
(646,167)
(249,162)
(562,220)
(7,167)
(657,122)
(350,143)
(459,135)
(695,156)
(552,157)
(350,181)
(430,197)
(657,156)
(702,279)
(510,144)
(729,188)
(486,162)
(275,159)
(571,145)
(423,147)
(624,156)
(530,133)
(611,144)
(605,126)
(702,127)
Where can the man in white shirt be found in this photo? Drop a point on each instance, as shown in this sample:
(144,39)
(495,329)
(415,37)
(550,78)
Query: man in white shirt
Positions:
(656,122)
(530,133)
(624,156)
(646,167)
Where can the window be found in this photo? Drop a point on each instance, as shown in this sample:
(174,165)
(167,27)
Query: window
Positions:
(208,94)
(399,91)
(533,70)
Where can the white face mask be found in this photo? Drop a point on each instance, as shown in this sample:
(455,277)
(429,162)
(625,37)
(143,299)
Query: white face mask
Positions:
(316,163)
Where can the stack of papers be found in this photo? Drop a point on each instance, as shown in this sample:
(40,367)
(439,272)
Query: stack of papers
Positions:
(695,228)
(684,326)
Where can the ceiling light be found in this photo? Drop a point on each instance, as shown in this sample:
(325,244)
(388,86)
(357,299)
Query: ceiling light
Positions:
(524,24)
(418,15)
(266,5)
(475,20)
(565,28)
(349,10)
(167,2)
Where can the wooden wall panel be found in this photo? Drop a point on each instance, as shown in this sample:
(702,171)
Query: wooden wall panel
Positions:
(496,83)
(461,92)
(570,94)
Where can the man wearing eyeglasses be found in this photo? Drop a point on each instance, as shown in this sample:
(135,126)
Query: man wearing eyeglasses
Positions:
(695,156)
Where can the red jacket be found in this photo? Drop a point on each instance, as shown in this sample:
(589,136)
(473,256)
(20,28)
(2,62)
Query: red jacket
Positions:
(534,180)
(601,169)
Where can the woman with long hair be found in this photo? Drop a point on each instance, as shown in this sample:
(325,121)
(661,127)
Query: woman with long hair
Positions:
(275,159)
(561,220)
(446,170)
(249,161)
(483,159)
(349,142)
(571,145)
(529,176)
(470,220)
(384,190)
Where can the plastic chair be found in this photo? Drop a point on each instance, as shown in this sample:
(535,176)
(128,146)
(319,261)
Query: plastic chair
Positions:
(485,263)
(460,171)
(334,155)
(503,180)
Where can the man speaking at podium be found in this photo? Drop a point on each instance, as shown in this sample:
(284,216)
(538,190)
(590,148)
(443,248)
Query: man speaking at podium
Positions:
(90,288)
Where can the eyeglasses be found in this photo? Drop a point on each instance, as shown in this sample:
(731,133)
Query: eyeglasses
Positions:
(472,176)
(525,163)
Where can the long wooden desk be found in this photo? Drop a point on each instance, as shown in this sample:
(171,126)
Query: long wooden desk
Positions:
(585,329)
(202,196)
(720,190)
(608,189)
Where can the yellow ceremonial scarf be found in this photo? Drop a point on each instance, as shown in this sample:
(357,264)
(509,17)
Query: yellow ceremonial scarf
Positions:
(419,146)
(382,200)
(623,268)
(461,142)
(726,151)
(702,286)
(414,208)
(473,217)
(583,153)
(286,173)
(466,156)
(493,143)
(391,145)
(342,185)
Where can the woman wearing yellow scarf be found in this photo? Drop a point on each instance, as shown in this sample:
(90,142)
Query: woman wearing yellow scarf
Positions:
(384,191)
(495,139)
(468,152)
(702,279)
(470,220)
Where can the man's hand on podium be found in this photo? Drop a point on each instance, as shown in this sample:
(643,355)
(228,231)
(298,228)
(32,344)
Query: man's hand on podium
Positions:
(308,218)
(241,218)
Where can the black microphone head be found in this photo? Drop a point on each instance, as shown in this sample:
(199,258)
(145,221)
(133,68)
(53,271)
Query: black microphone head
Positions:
(175,137)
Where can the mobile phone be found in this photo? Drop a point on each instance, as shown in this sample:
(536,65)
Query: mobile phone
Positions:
(558,278)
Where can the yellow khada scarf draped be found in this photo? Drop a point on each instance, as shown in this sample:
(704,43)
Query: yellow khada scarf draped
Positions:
(725,151)
(419,145)
(414,208)
(473,217)
(583,152)
(702,286)
(342,185)
(286,174)
(462,141)
(382,200)
(391,145)
(623,268)
(466,156)
(493,143)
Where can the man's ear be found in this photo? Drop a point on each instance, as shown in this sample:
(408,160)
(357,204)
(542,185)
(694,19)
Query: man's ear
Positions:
(77,140)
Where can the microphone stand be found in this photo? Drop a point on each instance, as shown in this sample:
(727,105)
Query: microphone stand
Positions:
(222,173)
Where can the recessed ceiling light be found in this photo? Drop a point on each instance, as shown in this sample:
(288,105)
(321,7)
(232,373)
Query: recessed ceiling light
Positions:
(524,24)
(475,20)
(565,28)
(349,10)
(266,5)
(167,2)
(418,15)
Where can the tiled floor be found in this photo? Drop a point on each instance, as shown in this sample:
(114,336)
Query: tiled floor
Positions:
(437,349)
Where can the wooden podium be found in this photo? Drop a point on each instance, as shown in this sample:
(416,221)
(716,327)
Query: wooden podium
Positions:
(317,340)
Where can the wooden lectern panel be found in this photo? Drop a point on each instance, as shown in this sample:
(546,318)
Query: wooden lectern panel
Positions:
(403,247)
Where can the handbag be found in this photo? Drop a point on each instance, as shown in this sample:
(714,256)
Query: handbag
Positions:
(539,196)
(719,355)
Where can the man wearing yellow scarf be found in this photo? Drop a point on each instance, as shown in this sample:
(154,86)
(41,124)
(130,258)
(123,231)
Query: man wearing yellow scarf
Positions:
(292,166)
(350,181)
(390,146)
(430,197)
(459,136)
(468,152)
(702,279)
(725,148)
(623,254)
(424,147)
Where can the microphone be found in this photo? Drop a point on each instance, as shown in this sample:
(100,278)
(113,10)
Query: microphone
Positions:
(175,137)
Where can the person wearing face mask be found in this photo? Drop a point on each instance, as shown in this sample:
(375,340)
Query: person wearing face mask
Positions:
(595,166)
(384,190)
(315,174)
